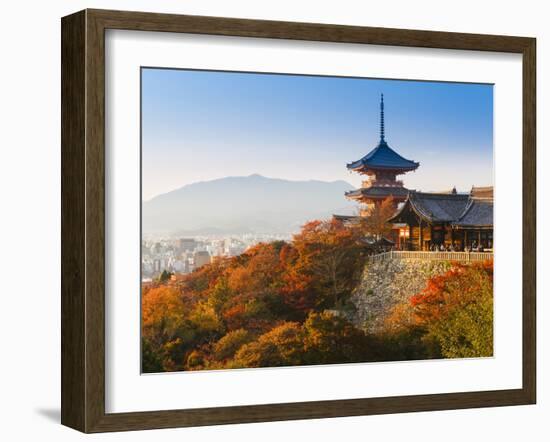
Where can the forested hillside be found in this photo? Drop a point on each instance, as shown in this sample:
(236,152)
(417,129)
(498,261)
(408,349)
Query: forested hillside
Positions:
(285,303)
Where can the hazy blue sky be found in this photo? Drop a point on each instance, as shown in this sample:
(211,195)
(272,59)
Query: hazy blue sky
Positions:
(201,125)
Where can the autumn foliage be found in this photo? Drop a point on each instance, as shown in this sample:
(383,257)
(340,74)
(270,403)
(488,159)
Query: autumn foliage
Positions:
(283,303)
(453,315)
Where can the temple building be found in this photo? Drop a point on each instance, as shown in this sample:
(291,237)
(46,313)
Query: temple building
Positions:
(457,221)
(381,166)
(421,220)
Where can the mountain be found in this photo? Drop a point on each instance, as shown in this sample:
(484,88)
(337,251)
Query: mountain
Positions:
(251,204)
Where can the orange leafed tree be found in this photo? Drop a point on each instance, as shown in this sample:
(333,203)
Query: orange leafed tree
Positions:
(459,286)
(162,310)
(331,257)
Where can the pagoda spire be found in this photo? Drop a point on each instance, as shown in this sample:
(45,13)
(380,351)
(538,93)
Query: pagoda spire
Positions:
(382,117)
(382,164)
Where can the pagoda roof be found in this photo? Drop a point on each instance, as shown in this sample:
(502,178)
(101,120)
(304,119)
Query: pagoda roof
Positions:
(378,192)
(347,218)
(383,157)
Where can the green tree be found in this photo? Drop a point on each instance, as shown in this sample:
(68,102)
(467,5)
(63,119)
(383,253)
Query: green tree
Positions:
(220,295)
(151,361)
(453,315)
(466,331)
(281,346)
(332,339)
(227,346)
(165,276)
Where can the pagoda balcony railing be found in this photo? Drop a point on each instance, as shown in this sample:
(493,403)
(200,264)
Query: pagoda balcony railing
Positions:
(381,183)
(431,256)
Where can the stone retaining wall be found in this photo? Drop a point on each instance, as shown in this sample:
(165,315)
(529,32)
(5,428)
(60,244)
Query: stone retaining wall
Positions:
(387,283)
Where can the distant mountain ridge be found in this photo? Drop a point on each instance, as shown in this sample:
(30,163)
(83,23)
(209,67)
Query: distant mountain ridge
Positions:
(246,204)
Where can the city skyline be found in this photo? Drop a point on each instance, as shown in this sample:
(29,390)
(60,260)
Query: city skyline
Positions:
(308,128)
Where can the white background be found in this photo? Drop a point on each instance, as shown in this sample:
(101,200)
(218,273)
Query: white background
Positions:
(128,391)
(30,258)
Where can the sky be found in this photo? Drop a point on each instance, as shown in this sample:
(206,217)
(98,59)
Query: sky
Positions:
(200,125)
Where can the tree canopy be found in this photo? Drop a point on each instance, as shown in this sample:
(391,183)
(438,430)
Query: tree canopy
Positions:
(284,303)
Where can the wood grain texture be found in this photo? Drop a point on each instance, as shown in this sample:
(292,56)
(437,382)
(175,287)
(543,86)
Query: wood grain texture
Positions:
(95,221)
(145,21)
(83,220)
(73,128)
(529,221)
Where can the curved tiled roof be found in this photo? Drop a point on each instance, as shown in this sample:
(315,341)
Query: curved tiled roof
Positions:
(383,157)
(347,218)
(462,210)
(435,207)
(439,207)
(378,192)
(479,212)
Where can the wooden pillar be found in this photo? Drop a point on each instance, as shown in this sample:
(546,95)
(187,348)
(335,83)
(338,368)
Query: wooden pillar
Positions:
(465,238)
(410,235)
(478,238)
(452,237)
(420,236)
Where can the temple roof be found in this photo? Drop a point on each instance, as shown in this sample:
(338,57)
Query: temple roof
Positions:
(383,156)
(461,210)
(438,207)
(478,213)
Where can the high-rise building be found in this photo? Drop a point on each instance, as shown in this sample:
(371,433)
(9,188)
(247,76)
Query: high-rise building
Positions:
(186,244)
(201,258)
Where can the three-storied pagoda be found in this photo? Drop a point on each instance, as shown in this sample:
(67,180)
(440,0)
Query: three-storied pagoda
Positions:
(382,165)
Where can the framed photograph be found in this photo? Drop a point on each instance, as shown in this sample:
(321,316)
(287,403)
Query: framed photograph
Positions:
(267,221)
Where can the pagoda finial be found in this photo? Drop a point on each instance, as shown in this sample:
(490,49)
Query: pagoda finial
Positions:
(382,117)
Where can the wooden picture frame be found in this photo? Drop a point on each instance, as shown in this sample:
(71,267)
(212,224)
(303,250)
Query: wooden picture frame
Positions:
(83,220)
